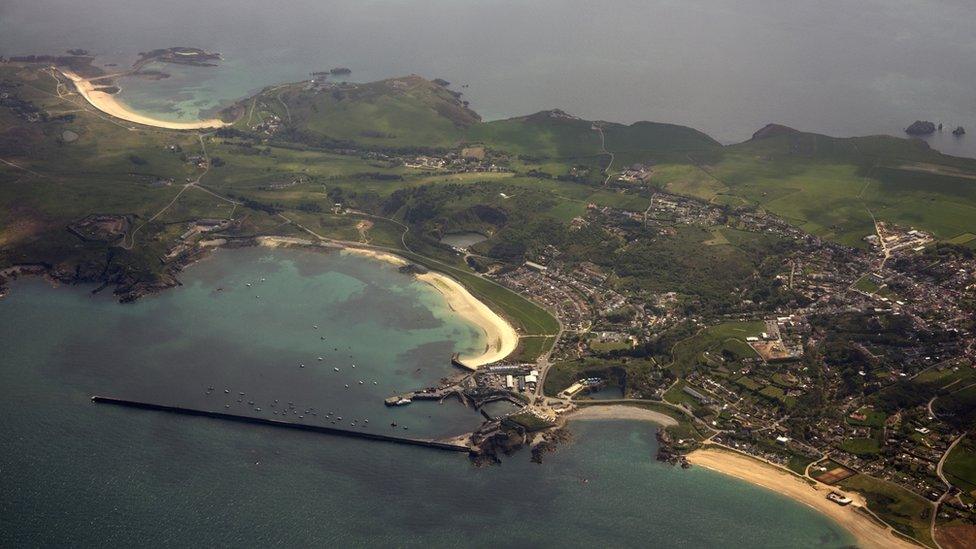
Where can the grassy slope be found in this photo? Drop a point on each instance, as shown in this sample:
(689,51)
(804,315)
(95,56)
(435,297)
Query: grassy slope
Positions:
(713,339)
(960,466)
(907,512)
(831,186)
(540,135)
(821,183)
(395,113)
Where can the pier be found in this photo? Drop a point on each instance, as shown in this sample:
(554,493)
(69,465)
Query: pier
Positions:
(453,446)
(439,394)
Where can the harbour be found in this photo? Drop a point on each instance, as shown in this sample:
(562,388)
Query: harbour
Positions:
(189,480)
(427,443)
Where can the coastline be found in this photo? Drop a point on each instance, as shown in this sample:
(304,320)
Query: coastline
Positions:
(620,411)
(111,106)
(867,532)
(501,337)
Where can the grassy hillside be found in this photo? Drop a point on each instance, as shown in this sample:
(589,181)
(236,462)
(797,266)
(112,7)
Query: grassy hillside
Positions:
(832,186)
(546,134)
(828,186)
(408,112)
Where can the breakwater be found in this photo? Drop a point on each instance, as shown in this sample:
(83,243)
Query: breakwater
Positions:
(428,443)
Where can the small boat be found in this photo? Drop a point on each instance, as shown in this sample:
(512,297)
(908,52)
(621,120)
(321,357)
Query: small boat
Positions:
(257,409)
(320,359)
(353,365)
(336,369)
(226,391)
(339,418)
(374,383)
(301,365)
(315,326)
(248,284)
(347,386)
(360,382)
(226,405)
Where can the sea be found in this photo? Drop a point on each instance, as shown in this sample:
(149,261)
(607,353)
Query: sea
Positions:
(73,473)
(726,67)
(246,331)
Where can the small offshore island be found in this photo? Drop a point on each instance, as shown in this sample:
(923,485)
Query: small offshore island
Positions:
(722,290)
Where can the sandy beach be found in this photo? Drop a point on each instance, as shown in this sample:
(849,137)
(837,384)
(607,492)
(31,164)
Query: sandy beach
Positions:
(619,411)
(108,104)
(502,338)
(377,255)
(867,532)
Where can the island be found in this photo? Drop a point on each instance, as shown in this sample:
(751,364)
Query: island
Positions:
(921,127)
(795,310)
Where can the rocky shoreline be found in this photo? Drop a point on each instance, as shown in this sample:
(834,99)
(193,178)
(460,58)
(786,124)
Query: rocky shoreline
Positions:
(667,453)
(126,284)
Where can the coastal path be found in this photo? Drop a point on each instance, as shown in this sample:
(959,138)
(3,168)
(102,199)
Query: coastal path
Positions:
(603,149)
(949,486)
(192,184)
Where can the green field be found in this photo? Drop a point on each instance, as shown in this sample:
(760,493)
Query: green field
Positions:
(341,145)
(532,347)
(728,335)
(960,466)
(863,447)
(905,511)
(867,285)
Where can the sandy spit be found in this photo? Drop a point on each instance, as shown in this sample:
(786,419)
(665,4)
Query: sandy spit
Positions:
(109,105)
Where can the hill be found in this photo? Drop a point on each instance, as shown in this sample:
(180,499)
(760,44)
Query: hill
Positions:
(398,113)
(832,186)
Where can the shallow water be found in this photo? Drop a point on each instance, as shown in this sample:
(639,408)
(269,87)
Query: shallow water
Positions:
(727,67)
(76,473)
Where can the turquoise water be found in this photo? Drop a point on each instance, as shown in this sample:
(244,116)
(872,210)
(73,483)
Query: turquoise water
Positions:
(727,67)
(79,474)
